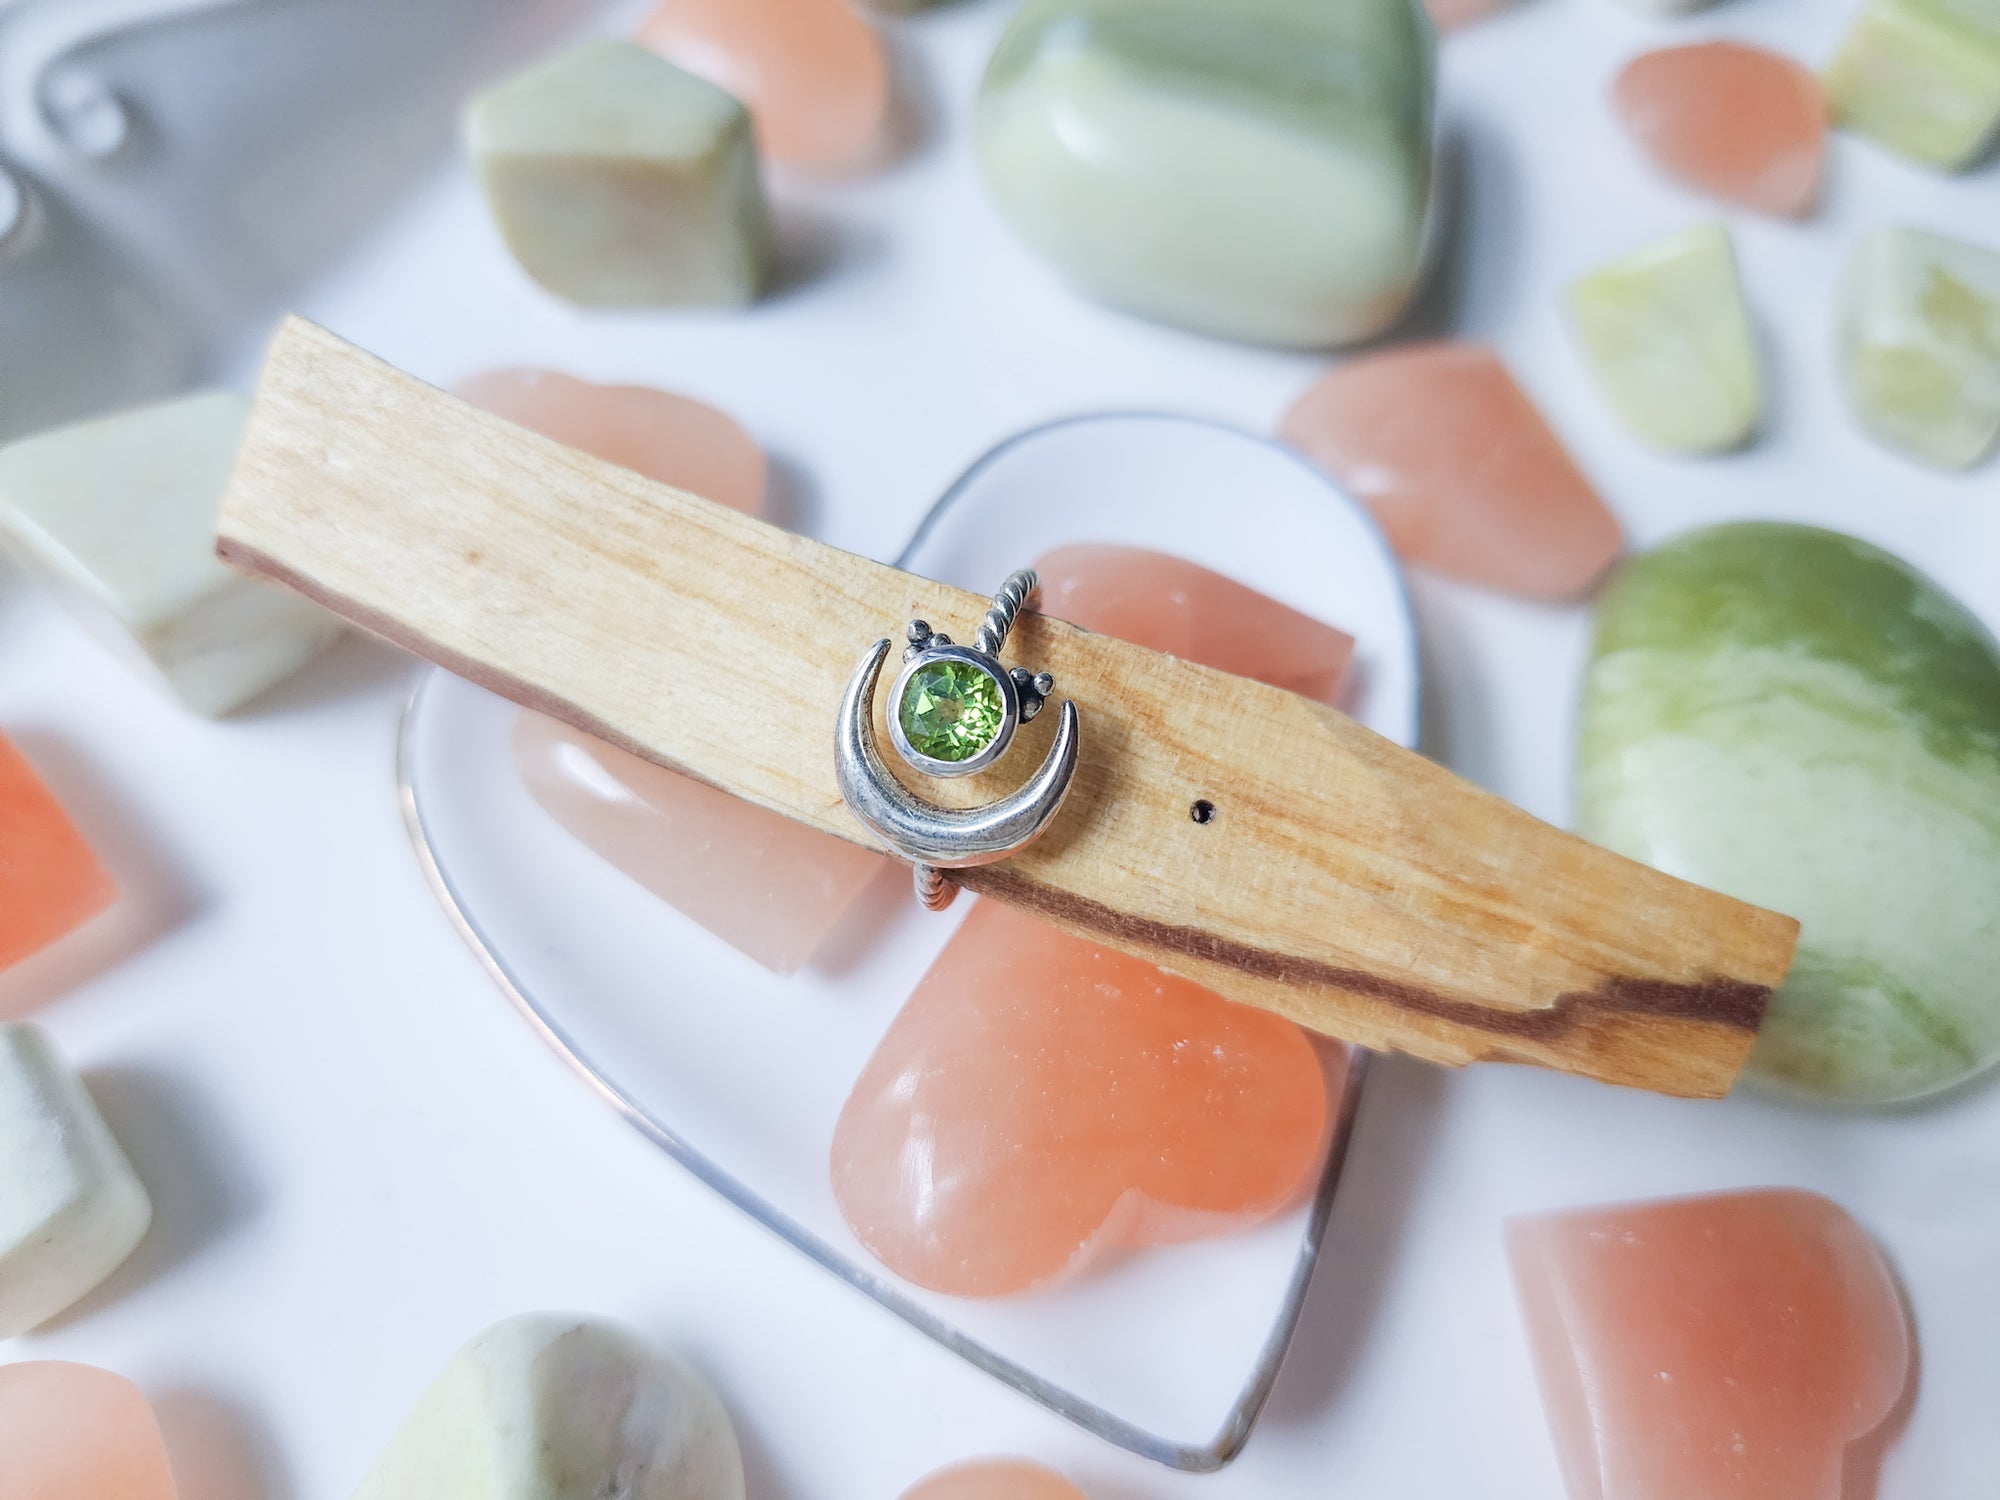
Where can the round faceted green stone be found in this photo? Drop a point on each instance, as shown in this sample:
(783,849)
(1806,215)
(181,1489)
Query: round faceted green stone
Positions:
(951,710)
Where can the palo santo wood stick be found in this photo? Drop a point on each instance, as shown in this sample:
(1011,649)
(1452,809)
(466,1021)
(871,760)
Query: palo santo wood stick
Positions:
(1343,881)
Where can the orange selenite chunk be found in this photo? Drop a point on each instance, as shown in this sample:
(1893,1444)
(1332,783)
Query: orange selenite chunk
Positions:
(994,1479)
(50,882)
(1732,120)
(673,439)
(1728,1346)
(767,886)
(1042,1101)
(1188,611)
(1459,467)
(813,73)
(758,881)
(71,1432)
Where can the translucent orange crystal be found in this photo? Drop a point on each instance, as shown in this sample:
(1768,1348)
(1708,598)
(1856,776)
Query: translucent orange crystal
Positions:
(758,881)
(673,439)
(1729,1346)
(1191,612)
(1042,1101)
(772,888)
(50,881)
(813,73)
(71,1432)
(1732,120)
(1459,467)
(994,1479)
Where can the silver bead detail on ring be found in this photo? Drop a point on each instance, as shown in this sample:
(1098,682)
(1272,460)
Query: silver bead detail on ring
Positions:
(952,711)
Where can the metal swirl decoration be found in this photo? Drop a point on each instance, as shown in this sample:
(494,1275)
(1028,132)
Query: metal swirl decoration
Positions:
(995,701)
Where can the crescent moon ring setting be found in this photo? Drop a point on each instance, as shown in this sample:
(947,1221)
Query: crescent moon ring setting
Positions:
(952,711)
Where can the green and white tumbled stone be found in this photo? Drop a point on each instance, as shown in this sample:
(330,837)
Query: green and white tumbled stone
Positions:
(620,180)
(1922,77)
(1803,721)
(119,516)
(1256,169)
(1920,344)
(1668,333)
(543,1407)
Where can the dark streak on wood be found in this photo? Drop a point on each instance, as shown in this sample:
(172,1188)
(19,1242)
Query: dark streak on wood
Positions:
(1718,1001)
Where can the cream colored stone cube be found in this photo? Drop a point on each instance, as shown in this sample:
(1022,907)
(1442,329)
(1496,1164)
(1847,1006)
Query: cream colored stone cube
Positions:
(620,180)
(119,515)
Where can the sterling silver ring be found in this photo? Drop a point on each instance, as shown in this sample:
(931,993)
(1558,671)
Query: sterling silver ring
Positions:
(952,711)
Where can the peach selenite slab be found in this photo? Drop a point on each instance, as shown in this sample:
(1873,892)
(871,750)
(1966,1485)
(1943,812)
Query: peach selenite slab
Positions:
(994,1479)
(674,439)
(1194,613)
(765,885)
(1733,120)
(1728,1347)
(1041,1102)
(1459,466)
(71,1432)
(813,73)
(758,881)
(50,881)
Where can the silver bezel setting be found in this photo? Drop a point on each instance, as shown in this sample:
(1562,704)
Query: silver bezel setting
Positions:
(1010,711)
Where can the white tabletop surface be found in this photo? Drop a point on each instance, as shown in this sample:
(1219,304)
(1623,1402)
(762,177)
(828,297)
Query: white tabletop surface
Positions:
(360,1156)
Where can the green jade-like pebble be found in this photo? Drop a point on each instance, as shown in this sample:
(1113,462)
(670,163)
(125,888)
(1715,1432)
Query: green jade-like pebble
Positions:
(1801,720)
(1920,344)
(1668,333)
(1922,77)
(1256,169)
(620,180)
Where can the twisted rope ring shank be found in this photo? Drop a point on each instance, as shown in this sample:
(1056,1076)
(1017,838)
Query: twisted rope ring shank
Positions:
(1015,594)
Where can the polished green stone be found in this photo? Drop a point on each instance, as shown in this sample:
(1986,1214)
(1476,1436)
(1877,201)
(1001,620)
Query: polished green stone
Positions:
(1920,344)
(1801,720)
(1668,333)
(951,710)
(1922,77)
(1256,169)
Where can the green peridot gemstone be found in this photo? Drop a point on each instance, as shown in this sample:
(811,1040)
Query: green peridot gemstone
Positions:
(951,710)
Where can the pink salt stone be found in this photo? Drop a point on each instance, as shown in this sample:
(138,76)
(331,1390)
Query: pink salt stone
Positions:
(1729,1347)
(51,882)
(666,437)
(1449,15)
(1195,614)
(1042,1102)
(813,73)
(70,1432)
(1732,120)
(758,881)
(772,888)
(1459,467)
(994,1479)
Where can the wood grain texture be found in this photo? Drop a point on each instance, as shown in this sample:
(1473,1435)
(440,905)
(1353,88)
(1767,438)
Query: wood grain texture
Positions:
(1343,881)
